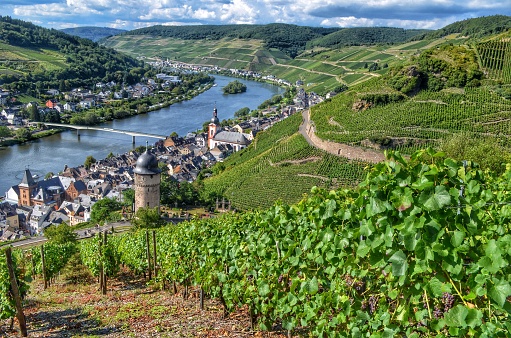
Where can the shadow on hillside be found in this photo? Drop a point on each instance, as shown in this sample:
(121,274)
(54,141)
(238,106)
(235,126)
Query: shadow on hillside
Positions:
(65,323)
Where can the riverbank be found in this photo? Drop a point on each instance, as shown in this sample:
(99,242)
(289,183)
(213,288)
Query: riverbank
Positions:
(52,153)
(41,133)
(37,135)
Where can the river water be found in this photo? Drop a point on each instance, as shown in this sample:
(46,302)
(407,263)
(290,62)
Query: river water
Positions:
(51,154)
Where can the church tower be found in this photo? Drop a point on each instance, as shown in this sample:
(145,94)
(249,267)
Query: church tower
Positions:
(213,128)
(26,187)
(147,182)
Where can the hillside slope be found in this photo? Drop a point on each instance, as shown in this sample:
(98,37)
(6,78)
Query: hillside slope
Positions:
(442,93)
(32,53)
(93,33)
(279,164)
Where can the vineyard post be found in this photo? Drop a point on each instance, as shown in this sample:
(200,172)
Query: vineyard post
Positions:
(101,272)
(148,253)
(43,262)
(154,254)
(201,301)
(103,290)
(33,265)
(16,293)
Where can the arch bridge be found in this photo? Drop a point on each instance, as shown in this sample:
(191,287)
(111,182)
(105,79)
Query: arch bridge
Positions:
(110,130)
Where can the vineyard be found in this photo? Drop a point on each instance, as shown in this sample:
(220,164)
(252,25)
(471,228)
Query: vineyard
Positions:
(366,115)
(280,163)
(420,248)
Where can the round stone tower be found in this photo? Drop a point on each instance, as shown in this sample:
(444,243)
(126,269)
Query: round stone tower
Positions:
(147,182)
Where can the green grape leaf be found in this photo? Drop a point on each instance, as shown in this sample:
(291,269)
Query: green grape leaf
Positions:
(499,291)
(456,316)
(399,263)
(436,201)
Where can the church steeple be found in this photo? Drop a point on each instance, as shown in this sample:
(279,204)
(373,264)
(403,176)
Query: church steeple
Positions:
(27,180)
(214,119)
(26,187)
(212,128)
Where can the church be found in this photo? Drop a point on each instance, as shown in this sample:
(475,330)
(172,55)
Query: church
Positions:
(217,136)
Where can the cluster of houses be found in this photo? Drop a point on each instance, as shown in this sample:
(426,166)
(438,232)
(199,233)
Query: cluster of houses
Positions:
(33,204)
(81,99)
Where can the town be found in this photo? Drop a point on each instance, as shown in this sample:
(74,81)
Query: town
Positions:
(67,197)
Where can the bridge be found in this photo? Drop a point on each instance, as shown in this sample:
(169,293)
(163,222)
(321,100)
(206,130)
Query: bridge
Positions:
(110,130)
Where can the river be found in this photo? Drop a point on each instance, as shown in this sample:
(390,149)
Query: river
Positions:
(51,154)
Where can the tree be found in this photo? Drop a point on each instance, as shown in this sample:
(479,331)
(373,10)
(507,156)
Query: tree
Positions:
(242,112)
(23,134)
(128,197)
(33,113)
(103,210)
(235,87)
(60,234)
(90,160)
(147,218)
(5,132)
(111,155)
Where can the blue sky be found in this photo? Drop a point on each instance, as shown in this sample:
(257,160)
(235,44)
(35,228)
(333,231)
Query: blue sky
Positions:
(131,14)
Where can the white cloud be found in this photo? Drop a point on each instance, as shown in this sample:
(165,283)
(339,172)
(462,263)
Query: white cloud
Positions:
(130,14)
(239,12)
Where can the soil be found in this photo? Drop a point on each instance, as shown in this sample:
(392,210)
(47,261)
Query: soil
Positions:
(131,308)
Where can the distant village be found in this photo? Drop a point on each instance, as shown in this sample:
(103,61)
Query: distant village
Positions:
(34,203)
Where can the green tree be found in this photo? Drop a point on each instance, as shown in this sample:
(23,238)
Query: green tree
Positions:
(128,196)
(242,112)
(60,234)
(90,160)
(33,113)
(147,218)
(23,134)
(234,87)
(5,132)
(104,210)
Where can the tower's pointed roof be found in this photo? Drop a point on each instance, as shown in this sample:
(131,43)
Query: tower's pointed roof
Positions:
(27,180)
(214,119)
(147,164)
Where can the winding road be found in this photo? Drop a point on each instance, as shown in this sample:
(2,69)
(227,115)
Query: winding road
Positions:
(339,149)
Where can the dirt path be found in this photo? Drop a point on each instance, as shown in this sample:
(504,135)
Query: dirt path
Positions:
(339,149)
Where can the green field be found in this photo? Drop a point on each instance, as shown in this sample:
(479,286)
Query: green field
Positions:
(17,60)
(323,69)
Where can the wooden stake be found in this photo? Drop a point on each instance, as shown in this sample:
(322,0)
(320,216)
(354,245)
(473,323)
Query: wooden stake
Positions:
(148,253)
(101,272)
(103,290)
(155,260)
(43,267)
(201,295)
(16,293)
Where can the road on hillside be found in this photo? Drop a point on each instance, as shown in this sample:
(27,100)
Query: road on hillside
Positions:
(307,129)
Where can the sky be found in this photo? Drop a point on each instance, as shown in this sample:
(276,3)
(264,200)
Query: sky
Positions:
(132,14)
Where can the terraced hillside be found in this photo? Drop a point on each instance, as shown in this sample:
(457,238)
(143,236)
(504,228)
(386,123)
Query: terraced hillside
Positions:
(443,92)
(279,164)
(321,68)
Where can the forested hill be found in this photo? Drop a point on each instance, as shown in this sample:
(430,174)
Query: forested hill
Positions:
(93,33)
(473,28)
(365,36)
(49,55)
(291,39)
